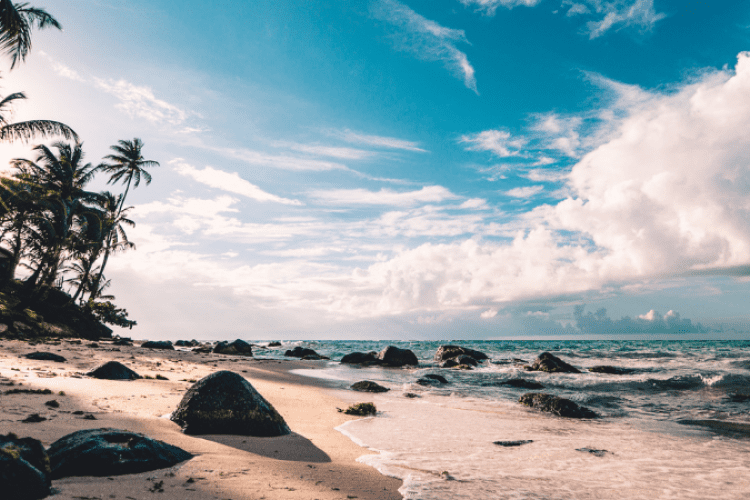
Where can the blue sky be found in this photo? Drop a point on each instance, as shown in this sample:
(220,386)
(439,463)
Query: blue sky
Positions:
(416,169)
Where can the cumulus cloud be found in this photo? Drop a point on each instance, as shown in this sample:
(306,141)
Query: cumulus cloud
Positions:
(426,39)
(652,322)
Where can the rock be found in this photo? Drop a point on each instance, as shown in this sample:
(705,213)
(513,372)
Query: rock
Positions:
(559,406)
(225,403)
(158,344)
(122,342)
(509,444)
(239,347)
(204,349)
(34,418)
(186,343)
(361,358)
(611,370)
(301,352)
(52,403)
(521,383)
(361,409)
(45,356)
(113,370)
(411,395)
(312,357)
(431,379)
(446,352)
(110,452)
(367,386)
(597,453)
(24,468)
(274,344)
(393,356)
(461,359)
(547,362)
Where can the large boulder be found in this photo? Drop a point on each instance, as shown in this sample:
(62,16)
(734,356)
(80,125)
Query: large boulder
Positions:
(225,403)
(393,356)
(547,362)
(237,347)
(113,370)
(45,356)
(110,452)
(431,379)
(158,344)
(368,386)
(24,468)
(301,352)
(361,358)
(446,352)
(556,405)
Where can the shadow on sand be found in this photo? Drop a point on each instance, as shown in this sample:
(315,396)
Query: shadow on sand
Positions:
(292,447)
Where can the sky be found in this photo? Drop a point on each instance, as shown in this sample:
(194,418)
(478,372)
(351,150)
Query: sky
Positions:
(415,169)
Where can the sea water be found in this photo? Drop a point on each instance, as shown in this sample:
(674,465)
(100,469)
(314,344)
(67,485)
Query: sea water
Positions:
(442,443)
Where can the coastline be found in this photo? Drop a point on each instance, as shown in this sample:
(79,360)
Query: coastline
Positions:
(315,461)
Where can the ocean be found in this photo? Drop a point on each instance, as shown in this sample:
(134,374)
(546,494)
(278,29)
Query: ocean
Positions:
(676,426)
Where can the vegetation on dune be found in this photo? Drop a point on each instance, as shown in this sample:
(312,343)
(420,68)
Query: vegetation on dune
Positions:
(56,235)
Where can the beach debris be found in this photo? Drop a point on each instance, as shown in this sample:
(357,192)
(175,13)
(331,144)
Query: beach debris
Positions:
(360,409)
(33,419)
(368,386)
(45,356)
(361,358)
(510,444)
(113,370)
(521,383)
(596,453)
(225,403)
(24,468)
(158,344)
(610,370)
(553,404)
(238,347)
(110,452)
(446,352)
(550,363)
(431,379)
(396,357)
(52,403)
(301,352)
(462,360)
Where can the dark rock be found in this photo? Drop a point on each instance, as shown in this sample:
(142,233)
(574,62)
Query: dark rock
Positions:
(598,453)
(550,363)
(739,398)
(225,403)
(393,356)
(158,344)
(45,356)
(93,345)
(509,444)
(559,406)
(52,404)
(361,409)
(431,379)
(301,352)
(110,452)
(274,344)
(411,395)
(313,357)
(34,418)
(204,349)
(185,343)
(461,359)
(522,383)
(433,376)
(361,358)
(24,468)
(113,370)
(446,352)
(122,342)
(367,386)
(611,370)
(239,347)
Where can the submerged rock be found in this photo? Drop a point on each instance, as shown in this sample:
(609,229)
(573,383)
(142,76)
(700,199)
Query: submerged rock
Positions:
(110,452)
(522,383)
(225,403)
(361,358)
(158,344)
(239,347)
(550,363)
(24,468)
(45,356)
(610,370)
(461,359)
(113,370)
(368,386)
(553,404)
(431,379)
(393,356)
(274,344)
(446,352)
(301,352)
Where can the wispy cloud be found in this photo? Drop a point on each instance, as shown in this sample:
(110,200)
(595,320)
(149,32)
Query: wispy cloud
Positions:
(226,181)
(488,7)
(525,192)
(499,142)
(426,39)
(377,141)
(330,151)
(282,161)
(141,102)
(428,194)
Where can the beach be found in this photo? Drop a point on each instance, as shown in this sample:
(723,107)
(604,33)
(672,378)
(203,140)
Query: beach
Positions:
(315,461)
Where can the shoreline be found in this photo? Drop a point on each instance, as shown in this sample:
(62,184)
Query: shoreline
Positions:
(315,461)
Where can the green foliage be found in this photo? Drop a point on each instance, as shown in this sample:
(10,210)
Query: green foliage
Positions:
(108,313)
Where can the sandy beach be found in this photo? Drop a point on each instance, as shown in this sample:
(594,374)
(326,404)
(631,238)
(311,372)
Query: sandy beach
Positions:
(314,462)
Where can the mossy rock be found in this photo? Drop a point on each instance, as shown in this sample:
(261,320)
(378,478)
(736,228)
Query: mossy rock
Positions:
(24,468)
(368,386)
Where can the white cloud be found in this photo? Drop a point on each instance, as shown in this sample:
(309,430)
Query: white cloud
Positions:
(226,181)
(331,151)
(377,141)
(489,7)
(499,142)
(141,102)
(525,192)
(488,314)
(284,162)
(347,197)
(426,39)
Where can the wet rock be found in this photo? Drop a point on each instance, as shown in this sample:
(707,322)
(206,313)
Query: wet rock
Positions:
(393,356)
(610,370)
(313,357)
(411,395)
(597,453)
(274,344)
(301,352)
(225,403)
(158,344)
(550,363)
(239,347)
(122,342)
(361,358)
(204,349)
(739,398)
(461,359)
(556,405)
(45,356)
(521,383)
(446,352)
(24,468)
(368,386)
(110,452)
(34,418)
(510,444)
(113,370)
(431,379)
(187,343)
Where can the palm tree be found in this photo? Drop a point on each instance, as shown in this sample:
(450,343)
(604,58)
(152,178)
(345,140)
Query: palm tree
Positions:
(24,131)
(16,22)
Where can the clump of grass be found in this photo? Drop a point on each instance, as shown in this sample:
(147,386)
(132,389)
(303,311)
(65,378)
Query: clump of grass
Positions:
(361,409)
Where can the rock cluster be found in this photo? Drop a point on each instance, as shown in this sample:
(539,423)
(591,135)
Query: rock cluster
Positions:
(303,353)
(158,344)
(238,347)
(556,405)
(453,356)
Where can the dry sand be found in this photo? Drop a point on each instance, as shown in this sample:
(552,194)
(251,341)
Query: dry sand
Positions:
(314,462)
